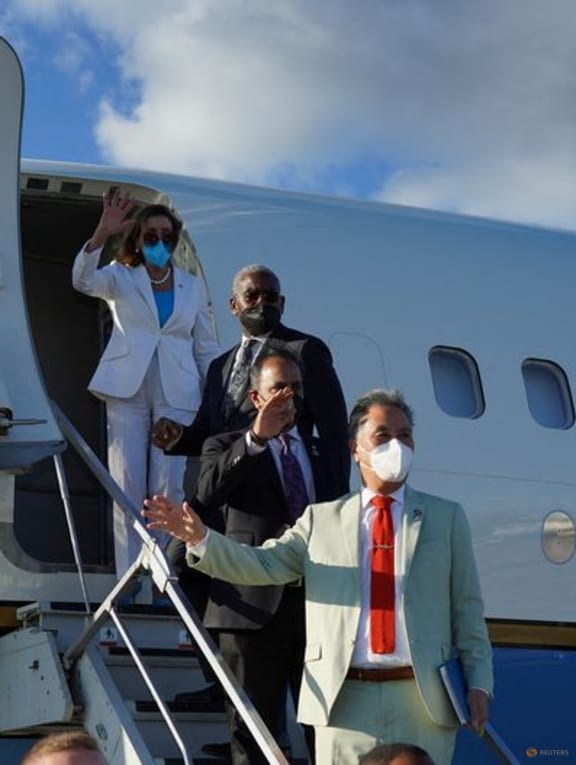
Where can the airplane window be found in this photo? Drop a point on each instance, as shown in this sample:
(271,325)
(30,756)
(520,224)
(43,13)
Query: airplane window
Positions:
(558,536)
(548,393)
(456,382)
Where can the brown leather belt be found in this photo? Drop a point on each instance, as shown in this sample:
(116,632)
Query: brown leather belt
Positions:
(380,675)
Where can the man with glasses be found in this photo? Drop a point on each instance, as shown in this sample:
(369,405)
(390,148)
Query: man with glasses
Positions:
(258,304)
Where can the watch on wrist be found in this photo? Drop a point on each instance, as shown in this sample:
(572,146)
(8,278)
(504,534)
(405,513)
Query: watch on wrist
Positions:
(258,440)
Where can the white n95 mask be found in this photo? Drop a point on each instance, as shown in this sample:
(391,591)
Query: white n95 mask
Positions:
(391,461)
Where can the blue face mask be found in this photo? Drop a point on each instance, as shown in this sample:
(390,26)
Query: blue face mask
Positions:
(156,254)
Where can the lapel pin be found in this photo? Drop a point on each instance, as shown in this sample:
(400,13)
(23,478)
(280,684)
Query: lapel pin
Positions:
(416,515)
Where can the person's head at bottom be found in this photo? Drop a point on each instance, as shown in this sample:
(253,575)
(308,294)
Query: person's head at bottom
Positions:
(396,754)
(70,748)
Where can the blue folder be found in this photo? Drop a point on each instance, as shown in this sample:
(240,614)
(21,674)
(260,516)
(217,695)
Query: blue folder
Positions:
(453,678)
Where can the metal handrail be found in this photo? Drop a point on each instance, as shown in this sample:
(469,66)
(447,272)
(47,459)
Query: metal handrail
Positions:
(152,559)
(164,711)
(65,494)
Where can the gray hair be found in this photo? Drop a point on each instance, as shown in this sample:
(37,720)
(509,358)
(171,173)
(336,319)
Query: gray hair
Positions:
(248,271)
(377,397)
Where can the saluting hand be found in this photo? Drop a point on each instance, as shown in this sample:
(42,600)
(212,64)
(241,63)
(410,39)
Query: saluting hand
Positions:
(178,520)
(275,415)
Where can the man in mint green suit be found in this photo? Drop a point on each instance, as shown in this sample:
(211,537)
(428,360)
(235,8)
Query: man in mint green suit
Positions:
(354,694)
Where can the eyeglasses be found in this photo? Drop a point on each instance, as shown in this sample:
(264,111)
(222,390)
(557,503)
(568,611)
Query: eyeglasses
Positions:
(265,296)
(168,240)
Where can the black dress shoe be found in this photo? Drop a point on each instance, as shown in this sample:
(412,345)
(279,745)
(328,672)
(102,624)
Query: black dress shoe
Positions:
(209,699)
(222,750)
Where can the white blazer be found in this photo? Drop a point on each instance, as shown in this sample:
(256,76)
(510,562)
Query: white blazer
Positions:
(185,345)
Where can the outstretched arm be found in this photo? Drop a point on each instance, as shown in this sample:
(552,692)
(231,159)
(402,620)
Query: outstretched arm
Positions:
(276,562)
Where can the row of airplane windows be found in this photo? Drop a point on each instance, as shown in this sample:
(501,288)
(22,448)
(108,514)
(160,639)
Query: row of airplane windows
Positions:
(458,387)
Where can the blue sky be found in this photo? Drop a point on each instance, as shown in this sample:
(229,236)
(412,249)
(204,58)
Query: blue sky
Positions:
(445,104)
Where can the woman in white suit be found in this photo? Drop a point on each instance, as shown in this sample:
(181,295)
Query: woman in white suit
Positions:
(162,343)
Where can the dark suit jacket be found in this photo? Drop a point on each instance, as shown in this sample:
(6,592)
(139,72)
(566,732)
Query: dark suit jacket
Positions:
(324,405)
(242,495)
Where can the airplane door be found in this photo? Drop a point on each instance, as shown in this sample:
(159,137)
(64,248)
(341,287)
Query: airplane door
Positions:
(28,431)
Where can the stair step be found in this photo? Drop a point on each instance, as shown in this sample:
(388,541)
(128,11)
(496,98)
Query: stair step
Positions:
(106,673)
(195,728)
(119,650)
(146,626)
(170,675)
(175,661)
(150,713)
(56,605)
(182,706)
(137,608)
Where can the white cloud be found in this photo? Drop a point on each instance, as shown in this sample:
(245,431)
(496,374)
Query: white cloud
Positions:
(472,102)
(521,189)
(73,59)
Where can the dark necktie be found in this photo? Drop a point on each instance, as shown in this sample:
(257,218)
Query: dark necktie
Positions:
(238,382)
(382,584)
(294,485)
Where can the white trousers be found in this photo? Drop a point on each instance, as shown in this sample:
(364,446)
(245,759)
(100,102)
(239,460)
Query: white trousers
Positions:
(366,714)
(139,467)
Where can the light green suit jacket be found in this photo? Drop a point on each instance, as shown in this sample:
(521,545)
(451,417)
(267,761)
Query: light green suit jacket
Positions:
(442,604)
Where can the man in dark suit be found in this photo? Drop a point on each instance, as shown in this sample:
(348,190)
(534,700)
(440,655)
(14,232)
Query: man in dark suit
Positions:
(246,486)
(258,304)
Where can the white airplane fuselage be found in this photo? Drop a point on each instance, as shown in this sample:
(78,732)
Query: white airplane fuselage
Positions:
(470,318)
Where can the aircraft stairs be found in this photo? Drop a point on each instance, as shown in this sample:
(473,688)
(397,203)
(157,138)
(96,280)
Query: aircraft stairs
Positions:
(103,691)
(116,672)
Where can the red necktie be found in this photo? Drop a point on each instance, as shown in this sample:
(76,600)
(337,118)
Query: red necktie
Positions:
(382,585)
